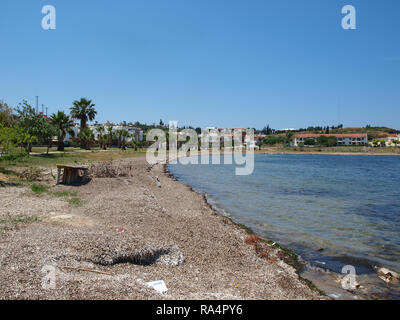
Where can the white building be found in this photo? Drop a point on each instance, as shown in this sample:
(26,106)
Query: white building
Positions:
(137,132)
(69,137)
(350,139)
(390,141)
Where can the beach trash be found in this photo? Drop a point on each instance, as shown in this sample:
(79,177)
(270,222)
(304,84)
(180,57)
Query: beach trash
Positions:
(388,276)
(158,286)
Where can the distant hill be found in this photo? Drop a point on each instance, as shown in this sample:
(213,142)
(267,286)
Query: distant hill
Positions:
(373,132)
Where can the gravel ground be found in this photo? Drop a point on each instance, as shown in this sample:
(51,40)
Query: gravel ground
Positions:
(135,224)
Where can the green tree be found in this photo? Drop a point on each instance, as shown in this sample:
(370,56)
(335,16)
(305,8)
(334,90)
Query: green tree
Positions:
(84,111)
(273,140)
(10,139)
(47,133)
(63,125)
(322,140)
(32,123)
(7,117)
(309,142)
(124,136)
(289,137)
(86,135)
(102,143)
(119,136)
(332,141)
(110,135)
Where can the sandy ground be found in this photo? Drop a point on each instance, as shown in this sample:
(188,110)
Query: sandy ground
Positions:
(138,227)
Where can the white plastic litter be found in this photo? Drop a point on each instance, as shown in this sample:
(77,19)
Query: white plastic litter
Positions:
(158,286)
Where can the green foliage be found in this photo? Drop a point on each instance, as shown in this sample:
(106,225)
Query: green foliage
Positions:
(63,124)
(273,140)
(7,118)
(378,142)
(309,142)
(332,141)
(12,138)
(86,135)
(38,188)
(32,123)
(65,194)
(84,111)
(322,140)
(326,141)
(75,201)
(267,130)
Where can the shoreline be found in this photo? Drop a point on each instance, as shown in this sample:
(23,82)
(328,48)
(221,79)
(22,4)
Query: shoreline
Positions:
(330,153)
(318,278)
(129,208)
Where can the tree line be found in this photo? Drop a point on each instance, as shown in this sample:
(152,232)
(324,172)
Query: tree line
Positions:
(22,126)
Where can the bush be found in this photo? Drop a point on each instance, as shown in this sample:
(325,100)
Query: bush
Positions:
(272,140)
(38,188)
(309,142)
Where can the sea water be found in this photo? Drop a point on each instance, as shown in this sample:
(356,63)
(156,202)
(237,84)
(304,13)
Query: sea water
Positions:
(332,210)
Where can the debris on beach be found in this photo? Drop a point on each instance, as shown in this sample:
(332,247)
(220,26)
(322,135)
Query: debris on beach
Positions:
(252,239)
(388,276)
(158,286)
(111,169)
(3,180)
(87,270)
(334,295)
(262,250)
(31,174)
(158,182)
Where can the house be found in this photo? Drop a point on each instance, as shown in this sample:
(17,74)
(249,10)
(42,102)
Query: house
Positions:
(69,137)
(392,141)
(349,139)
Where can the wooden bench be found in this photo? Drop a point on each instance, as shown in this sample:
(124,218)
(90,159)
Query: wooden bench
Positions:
(71,174)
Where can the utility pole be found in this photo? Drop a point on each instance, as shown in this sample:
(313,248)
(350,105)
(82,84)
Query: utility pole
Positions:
(46,111)
(42,108)
(37,104)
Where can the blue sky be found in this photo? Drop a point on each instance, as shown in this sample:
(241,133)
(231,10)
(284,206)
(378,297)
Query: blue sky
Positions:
(225,63)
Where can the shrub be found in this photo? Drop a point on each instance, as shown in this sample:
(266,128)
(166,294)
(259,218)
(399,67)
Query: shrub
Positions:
(38,188)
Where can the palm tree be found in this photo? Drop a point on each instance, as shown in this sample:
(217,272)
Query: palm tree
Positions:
(124,135)
(64,125)
(110,135)
(100,130)
(133,141)
(84,111)
(119,135)
(86,135)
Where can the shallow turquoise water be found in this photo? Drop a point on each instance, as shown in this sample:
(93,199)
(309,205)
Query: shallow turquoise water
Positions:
(347,205)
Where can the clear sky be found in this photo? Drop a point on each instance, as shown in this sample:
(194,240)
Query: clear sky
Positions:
(225,63)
